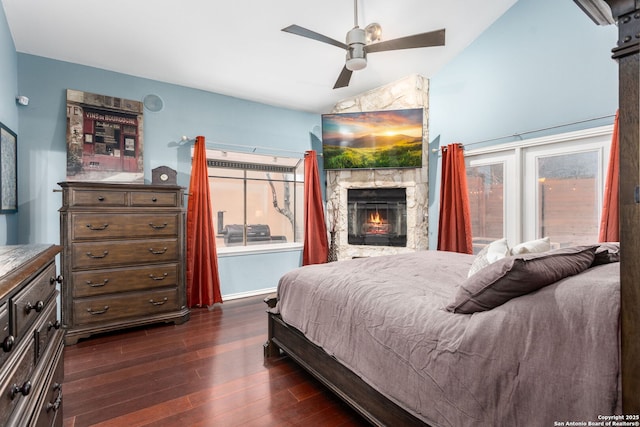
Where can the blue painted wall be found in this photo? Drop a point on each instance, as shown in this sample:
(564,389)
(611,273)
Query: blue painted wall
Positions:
(186,111)
(544,63)
(8,110)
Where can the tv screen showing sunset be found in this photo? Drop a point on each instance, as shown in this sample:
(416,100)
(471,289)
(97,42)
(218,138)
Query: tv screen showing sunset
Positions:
(369,140)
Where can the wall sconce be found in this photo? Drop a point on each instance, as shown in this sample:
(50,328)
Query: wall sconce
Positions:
(22,100)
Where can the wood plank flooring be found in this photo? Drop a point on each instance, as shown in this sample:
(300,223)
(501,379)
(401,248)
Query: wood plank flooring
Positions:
(208,371)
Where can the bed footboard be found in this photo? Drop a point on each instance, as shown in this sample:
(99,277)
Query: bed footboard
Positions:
(367,401)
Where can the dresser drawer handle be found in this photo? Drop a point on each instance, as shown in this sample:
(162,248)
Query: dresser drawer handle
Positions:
(97,227)
(101,198)
(38,307)
(7,343)
(58,279)
(104,254)
(157,227)
(95,312)
(97,285)
(154,199)
(58,400)
(164,300)
(24,390)
(164,276)
(158,252)
(53,325)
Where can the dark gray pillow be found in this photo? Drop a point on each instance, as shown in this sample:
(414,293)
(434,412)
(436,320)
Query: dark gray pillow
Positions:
(514,276)
(606,253)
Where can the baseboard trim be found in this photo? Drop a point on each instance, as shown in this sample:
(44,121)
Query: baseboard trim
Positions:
(248,294)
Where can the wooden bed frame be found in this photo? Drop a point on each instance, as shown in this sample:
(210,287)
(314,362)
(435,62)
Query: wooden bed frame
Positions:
(367,401)
(378,409)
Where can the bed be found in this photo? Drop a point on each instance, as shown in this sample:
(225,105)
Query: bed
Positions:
(410,339)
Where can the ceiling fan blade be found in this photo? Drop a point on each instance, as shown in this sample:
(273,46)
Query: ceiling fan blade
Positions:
(343,78)
(432,38)
(300,31)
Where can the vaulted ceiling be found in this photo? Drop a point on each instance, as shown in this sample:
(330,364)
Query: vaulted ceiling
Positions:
(237,48)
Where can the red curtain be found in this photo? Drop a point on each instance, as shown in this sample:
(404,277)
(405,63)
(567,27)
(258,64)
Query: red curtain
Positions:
(316,246)
(610,221)
(203,282)
(454,231)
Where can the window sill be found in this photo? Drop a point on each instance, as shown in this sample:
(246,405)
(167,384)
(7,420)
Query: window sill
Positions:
(258,249)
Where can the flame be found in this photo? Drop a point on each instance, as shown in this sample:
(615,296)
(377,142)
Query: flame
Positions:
(375,219)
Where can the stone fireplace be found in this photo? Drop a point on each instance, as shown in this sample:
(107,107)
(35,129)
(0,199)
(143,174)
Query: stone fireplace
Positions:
(405,226)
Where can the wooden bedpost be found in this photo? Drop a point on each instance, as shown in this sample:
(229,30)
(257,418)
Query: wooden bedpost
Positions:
(627,14)
(627,53)
(270,348)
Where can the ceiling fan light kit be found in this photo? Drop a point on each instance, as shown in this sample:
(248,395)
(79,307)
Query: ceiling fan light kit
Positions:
(360,41)
(356,59)
(374,32)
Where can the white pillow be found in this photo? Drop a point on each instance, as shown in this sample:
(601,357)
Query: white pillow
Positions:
(489,254)
(532,246)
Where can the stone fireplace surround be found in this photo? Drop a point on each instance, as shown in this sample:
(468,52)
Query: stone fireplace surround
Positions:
(410,92)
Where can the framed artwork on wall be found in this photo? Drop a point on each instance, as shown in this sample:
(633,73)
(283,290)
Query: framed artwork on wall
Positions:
(8,170)
(104,138)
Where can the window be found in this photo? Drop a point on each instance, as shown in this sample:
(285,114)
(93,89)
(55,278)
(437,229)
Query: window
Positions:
(567,196)
(492,183)
(549,186)
(486,195)
(256,200)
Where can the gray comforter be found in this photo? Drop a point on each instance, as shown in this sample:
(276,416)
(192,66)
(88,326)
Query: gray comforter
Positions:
(552,355)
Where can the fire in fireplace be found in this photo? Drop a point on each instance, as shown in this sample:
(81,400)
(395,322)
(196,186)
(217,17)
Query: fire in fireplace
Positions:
(377,216)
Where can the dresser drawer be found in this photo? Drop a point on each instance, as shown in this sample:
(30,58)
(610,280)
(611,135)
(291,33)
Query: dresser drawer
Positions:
(122,306)
(18,384)
(7,340)
(97,198)
(112,254)
(85,226)
(47,329)
(50,411)
(151,198)
(100,282)
(29,304)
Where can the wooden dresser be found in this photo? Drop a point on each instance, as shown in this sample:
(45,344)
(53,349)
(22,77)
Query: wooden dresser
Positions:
(123,258)
(31,365)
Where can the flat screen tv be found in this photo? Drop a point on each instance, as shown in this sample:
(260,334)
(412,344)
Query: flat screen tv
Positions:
(374,139)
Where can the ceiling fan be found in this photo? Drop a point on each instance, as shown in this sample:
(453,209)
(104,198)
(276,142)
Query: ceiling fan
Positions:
(360,42)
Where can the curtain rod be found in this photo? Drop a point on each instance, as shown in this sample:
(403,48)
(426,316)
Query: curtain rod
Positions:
(519,134)
(186,140)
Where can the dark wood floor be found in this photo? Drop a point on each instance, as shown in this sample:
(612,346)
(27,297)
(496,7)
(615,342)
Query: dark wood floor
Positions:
(207,372)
